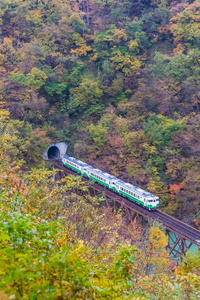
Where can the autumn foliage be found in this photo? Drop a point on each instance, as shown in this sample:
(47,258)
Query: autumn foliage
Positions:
(119,82)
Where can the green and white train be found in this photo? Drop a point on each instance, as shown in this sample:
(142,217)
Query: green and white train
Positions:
(128,190)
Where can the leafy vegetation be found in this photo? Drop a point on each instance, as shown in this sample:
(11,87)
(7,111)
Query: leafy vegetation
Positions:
(56,243)
(119,81)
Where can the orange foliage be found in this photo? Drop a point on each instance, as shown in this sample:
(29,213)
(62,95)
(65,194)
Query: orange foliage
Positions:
(174,189)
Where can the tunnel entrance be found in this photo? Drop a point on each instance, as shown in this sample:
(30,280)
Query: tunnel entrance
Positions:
(53,153)
(55,150)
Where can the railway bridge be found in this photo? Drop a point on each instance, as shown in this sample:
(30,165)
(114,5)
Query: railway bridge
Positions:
(181,236)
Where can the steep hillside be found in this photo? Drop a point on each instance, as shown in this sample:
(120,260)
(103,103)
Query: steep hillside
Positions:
(118,80)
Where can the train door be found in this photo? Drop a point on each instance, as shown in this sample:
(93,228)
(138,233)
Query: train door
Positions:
(112,184)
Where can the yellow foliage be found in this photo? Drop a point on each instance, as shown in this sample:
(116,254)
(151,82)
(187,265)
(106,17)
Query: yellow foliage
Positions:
(132,45)
(80,42)
(4,114)
(120,34)
(127,63)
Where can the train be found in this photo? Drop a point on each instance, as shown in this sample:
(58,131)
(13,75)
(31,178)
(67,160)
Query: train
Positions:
(132,192)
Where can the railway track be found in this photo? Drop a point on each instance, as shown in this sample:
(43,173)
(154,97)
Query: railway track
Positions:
(183,230)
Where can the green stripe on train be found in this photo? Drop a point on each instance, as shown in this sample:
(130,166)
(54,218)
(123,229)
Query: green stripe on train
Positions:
(105,184)
(132,198)
(69,166)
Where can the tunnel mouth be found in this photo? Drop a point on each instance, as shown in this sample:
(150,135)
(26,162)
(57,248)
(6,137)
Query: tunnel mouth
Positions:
(53,153)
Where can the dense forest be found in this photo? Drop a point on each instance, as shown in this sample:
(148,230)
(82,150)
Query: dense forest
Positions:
(119,82)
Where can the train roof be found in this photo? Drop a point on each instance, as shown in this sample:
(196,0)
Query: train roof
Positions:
(77,161)
(103,174)
(134,189)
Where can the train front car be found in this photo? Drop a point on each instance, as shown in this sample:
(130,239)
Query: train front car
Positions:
(137,195)
(151,202)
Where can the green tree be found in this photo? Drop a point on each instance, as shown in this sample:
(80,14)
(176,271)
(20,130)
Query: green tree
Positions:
(88,92)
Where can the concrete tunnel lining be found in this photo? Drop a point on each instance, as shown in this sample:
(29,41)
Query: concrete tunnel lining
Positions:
(53,153)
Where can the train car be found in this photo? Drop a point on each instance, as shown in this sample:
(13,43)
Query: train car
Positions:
(128,190)
(75,164)
(102,177)
(138,195)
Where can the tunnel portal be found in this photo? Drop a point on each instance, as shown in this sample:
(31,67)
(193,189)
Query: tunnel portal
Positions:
(53,153)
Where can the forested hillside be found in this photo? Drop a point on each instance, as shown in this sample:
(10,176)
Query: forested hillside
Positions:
(118,80)
(56,244)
